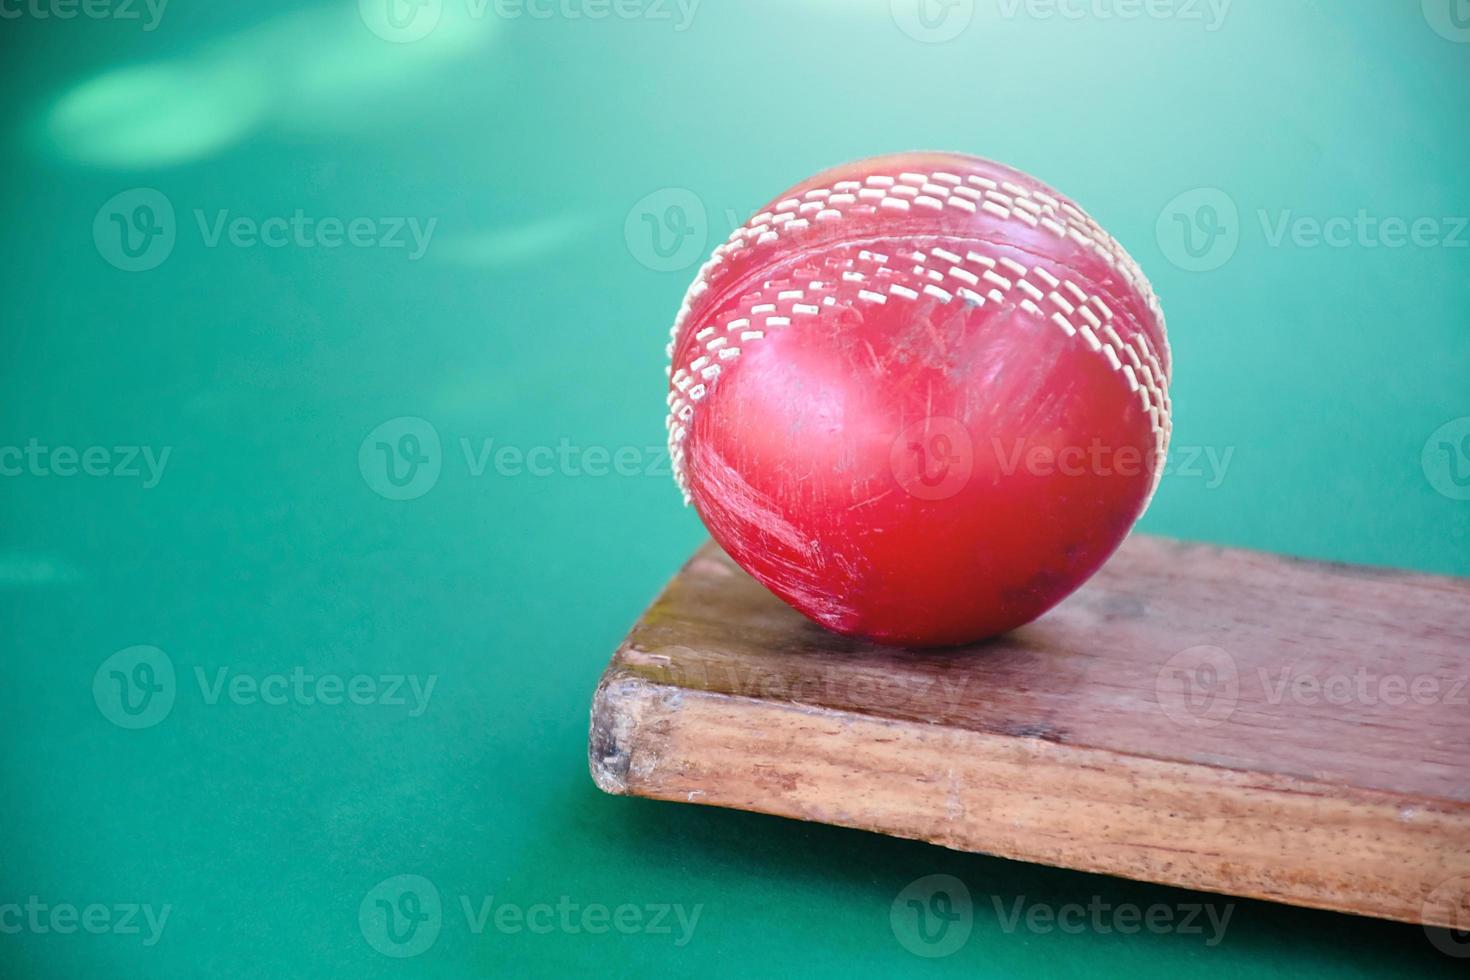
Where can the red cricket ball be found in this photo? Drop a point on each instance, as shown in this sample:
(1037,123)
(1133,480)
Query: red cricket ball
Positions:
(921,397)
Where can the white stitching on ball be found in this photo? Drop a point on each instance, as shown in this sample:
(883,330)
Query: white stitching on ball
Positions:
(1006,200)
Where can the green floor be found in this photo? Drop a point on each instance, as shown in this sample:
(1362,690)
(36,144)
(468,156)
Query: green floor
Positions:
(200,404)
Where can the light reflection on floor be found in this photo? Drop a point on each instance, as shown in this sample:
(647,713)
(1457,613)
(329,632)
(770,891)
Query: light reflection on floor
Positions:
(336,65)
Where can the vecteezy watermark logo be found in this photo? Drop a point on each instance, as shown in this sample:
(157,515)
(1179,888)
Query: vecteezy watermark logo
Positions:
(1449,18)
(667,230)
(1210,13)
(932,917)
(36,459)
(89,9)
(401,459)
(1199,230)
(1363,230)
(564,459)
(135,230)
(1201,687)
(1361,685)
(1104,918)
(302,688)
(401,21)
(933,458)
(1097,458)
(1450,901)
(862,690)
(95,919)
(575,918)
(932,21)
(301,230)
(401,916)
(1198,687)
(1446,459)
(135,687)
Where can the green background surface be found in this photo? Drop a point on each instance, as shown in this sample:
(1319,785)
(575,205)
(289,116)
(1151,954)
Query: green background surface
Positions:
(536,317)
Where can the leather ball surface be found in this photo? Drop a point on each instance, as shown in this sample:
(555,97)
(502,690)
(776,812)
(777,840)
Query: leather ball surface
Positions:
(921,397)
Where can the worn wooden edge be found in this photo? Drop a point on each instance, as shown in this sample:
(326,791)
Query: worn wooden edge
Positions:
(1219,830)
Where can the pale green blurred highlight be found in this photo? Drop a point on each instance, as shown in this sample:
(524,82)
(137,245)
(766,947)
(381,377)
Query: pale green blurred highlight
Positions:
(531,242)
(19,569)
(320,67)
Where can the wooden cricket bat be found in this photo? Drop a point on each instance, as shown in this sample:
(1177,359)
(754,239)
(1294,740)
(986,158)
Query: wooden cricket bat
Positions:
(1207,717)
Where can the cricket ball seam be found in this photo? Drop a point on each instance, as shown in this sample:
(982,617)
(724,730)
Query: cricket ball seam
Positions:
(1110,344)
(1142,370)
(709,355)
(1001,199)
